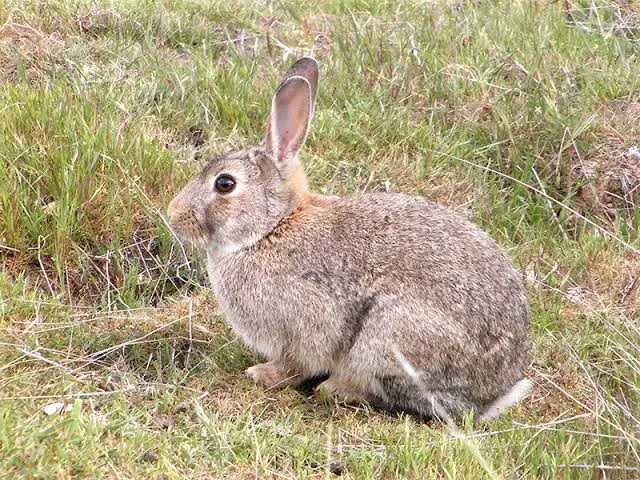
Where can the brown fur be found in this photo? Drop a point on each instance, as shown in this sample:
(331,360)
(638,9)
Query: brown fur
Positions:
(367,289)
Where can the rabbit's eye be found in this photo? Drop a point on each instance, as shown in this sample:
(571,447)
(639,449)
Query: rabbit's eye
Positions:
(225,183)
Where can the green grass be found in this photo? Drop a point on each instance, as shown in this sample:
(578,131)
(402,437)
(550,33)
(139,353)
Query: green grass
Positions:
(517,113)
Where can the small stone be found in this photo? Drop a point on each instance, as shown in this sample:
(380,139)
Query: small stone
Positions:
(57,407)
(336,469)
(182,407)
(150,457)
(168,422)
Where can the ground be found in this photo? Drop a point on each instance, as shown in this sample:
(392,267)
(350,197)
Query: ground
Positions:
(522,114)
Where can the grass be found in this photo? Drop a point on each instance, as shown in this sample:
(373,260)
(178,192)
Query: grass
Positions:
(521,114)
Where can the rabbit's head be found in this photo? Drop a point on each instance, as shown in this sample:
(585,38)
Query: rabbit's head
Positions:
(238,198)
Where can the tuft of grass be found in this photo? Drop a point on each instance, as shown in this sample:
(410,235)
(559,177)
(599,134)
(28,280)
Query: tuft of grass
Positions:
(523,115)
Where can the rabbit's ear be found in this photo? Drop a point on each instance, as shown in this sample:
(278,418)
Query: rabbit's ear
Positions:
(292,110)
(306,68)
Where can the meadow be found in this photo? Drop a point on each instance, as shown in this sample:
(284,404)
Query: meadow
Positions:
(523,115)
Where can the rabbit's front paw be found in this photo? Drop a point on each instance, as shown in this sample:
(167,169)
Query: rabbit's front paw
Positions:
(272,375)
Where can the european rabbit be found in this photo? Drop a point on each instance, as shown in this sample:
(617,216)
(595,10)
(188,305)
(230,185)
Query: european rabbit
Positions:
(402,302)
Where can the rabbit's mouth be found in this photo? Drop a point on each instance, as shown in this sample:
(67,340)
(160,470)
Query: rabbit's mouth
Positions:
(186,227)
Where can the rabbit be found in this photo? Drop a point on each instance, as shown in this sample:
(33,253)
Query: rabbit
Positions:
(398,301)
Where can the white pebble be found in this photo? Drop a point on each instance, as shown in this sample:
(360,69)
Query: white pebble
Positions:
(58,407)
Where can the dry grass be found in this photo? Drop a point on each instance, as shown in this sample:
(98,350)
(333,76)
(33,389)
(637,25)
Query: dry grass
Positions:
(23,47)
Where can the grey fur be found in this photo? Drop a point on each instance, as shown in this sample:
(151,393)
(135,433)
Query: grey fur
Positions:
(340,285)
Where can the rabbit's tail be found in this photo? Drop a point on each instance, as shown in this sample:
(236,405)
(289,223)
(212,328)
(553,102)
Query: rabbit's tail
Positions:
(508,400)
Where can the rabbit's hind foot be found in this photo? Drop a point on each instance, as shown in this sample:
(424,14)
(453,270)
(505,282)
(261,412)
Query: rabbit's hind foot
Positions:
(341,391)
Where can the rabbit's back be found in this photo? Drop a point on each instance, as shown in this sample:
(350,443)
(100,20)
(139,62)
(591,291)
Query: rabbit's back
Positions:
(427,252)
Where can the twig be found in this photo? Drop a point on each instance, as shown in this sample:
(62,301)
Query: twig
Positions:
(600,466)
(44,272)
(98,355)
(5,247)
(71,395)
(35,354)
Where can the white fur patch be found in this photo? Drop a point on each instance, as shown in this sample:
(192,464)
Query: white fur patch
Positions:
(508,400)
(228,248)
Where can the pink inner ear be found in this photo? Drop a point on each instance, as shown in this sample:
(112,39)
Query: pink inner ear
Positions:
(291,110)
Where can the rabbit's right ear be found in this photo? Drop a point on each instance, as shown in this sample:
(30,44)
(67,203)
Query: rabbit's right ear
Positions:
(292,109)
(306,68)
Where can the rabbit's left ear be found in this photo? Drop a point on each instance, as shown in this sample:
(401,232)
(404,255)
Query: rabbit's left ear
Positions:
(292,109)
